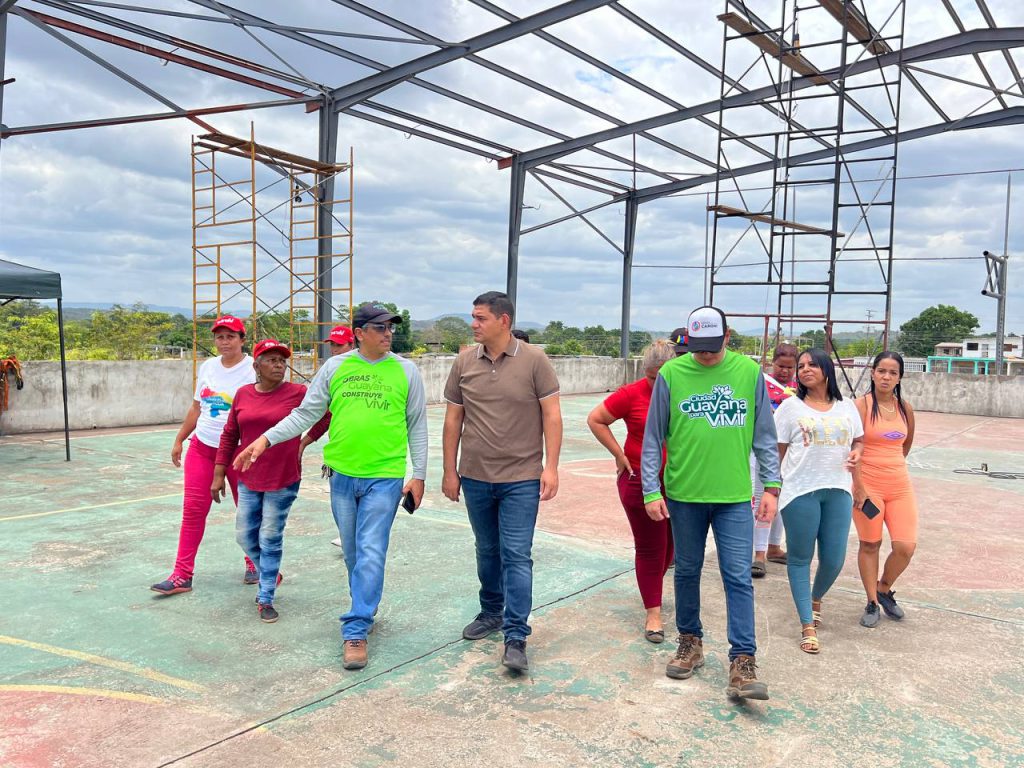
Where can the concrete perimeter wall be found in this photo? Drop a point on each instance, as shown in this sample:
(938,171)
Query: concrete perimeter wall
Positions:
(137,393)
(140,392)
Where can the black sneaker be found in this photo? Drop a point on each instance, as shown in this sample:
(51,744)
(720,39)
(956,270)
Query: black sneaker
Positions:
(514,656)
(267,613)
(173,586)
(251,576)
(871,616)
(482,626)
(888,602)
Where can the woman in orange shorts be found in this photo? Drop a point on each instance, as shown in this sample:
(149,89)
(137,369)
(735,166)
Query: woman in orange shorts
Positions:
(882,492)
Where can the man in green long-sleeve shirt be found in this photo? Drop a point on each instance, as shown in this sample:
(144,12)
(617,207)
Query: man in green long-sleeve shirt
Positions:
(710,408)
(378,409)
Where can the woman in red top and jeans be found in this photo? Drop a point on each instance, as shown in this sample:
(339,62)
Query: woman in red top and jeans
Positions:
(653,539)
(267,489)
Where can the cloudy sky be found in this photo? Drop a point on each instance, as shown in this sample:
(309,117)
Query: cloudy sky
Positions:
(110,207)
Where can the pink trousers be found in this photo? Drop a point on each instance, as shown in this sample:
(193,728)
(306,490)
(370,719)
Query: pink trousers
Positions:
(199,463)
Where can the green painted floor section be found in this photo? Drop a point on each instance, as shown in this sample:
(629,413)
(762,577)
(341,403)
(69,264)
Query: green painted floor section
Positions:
(97,670)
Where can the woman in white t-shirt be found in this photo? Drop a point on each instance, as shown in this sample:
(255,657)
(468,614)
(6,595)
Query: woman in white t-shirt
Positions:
(820,441)
(216,383)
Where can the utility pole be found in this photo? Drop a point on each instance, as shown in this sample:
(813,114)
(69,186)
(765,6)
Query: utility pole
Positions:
(995,285)
(868,334)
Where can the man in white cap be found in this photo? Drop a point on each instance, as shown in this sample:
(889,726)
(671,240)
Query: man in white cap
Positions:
(710,408)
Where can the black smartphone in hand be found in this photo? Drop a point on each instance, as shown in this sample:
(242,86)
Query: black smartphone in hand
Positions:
(869,509)
(408,502)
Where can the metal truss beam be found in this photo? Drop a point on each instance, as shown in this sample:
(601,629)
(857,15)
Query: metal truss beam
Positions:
(530,83)
(353,93)
(1003,117)
(177,42)
(22,130)
(967,43)
(30,17)
(221,20)
(426,84)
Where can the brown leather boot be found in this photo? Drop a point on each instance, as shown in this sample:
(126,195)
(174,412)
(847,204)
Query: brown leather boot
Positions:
(689,656)
(743,682)
(355,654)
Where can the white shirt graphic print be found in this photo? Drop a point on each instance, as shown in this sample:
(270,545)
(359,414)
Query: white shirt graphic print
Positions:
(215,390)
(819,442)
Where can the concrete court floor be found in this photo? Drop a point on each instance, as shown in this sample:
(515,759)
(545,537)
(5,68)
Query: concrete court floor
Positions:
(95,670)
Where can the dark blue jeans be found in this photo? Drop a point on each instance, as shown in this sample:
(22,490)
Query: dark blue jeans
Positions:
(503,516)
(733,527)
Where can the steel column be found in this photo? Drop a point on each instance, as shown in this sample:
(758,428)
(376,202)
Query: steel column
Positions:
(1001,313)
(628,241)
(64,377)
(3,53)
(515,225)
(327,150)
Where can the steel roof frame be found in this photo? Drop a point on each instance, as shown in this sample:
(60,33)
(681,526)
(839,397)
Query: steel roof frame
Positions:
(357,97)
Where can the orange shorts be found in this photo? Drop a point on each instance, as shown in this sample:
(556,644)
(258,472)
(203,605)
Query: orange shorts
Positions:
(898,505)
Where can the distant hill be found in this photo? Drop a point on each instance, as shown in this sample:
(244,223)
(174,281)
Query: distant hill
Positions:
(420,325)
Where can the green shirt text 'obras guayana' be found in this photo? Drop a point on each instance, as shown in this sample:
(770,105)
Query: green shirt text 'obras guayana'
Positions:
(378,407)
(709,418)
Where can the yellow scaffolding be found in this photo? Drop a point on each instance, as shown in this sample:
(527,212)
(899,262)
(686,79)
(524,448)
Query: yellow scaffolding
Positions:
(312,253)
(238,261)
(223,237)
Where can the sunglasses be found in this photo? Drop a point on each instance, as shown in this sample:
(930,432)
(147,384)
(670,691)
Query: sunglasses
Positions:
(381,327)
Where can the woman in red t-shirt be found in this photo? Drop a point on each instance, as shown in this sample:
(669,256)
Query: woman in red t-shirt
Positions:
(267,489)
(653,539)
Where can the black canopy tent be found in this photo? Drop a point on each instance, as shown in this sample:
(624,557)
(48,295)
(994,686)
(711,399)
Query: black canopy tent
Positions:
(20,282)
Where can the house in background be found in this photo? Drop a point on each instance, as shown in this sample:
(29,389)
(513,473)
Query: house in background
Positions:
(985,347)
(949,349)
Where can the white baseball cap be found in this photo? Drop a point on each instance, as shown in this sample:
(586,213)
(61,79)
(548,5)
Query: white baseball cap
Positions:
(706,327)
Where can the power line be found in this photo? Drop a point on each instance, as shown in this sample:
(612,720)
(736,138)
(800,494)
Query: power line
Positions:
(808,261)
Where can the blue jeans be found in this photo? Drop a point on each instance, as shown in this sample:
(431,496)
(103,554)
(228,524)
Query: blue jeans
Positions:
(733,527)
(821,517)
(364,510)
(503,516)
(259,530)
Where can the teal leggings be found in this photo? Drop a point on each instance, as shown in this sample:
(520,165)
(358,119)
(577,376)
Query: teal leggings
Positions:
(821,516)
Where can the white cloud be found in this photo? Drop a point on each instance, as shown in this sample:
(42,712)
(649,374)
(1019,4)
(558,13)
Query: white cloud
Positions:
(110,207)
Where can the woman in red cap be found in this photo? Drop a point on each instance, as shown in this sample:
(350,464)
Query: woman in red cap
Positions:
(266,490)
(216,384)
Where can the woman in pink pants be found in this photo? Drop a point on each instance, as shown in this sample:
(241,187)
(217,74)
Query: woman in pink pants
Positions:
(218,380)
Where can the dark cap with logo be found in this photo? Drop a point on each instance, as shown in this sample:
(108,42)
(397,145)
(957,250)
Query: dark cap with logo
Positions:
(678,338)
(373,312)
(706,329)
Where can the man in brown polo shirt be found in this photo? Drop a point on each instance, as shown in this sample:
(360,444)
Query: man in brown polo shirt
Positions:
(503,407)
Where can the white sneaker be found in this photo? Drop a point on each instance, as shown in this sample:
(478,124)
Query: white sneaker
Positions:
(337,542)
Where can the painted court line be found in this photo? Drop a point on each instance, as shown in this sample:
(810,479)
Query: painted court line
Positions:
(91,506)
(102,693)
(89,658)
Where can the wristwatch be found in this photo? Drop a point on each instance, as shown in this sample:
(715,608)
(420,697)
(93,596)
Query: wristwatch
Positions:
(773,491)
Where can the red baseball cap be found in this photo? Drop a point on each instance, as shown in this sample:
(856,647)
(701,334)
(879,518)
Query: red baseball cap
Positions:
(230,322)
(270,345)
(342,334)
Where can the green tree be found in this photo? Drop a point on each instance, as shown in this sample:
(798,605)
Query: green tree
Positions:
(554,333)
(30,337)
(452,332)
(178,333)
(637,341)
(598,341)
(943,322)
(126,333)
